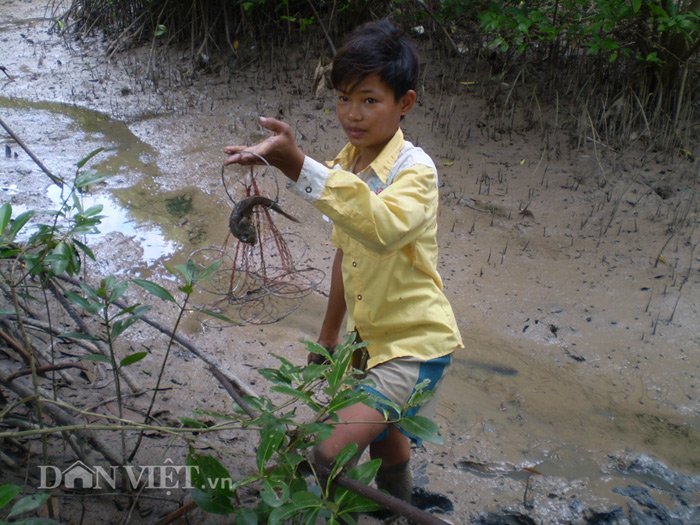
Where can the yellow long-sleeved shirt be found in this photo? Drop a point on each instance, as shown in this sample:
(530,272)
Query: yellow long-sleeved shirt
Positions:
(385,222)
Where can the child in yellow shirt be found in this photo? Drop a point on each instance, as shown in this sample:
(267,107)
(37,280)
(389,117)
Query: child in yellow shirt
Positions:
(381,193)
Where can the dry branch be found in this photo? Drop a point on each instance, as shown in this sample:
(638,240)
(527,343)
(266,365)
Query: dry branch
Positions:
(123,372)
(61,417)
(56,180)
(236,382)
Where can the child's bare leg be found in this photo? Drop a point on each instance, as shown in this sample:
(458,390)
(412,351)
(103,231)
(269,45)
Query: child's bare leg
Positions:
(362,424)
(359,424)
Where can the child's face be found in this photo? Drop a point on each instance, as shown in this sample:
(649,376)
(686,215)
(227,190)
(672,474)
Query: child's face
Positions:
(370,114)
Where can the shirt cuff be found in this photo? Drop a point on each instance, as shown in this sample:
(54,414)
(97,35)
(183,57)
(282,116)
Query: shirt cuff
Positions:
(312,180)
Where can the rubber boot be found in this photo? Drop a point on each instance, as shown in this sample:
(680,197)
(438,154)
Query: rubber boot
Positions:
(397,481)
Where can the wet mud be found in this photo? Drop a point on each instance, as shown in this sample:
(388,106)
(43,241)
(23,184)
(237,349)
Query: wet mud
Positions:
(574,275)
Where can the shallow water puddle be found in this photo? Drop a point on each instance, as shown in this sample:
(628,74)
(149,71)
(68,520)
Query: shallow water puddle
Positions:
(59,135)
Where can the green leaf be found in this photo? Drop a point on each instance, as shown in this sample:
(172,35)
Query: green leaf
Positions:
(346,398)
(346,455)
(79,336)
(281,514)
(96,357)
(421,395)
(208,271)
(339,366)
(91,307)
(219,316)
(316,348)
(245,516)
(306,499)
(93,210)
(212,502)
(8,491)
(132,358)
(365,472)
(321,431)
(155,289)
(274,492)
(28,503)
(209,471)
(82,162)
(297,394)
(20,221)
(188,271)
(117,290)
(192,423)
(421,427)
(121,325)
(90,178)
(90,293)
(61,258)
(5,216)
(85,249)
(13,252)
(271,438)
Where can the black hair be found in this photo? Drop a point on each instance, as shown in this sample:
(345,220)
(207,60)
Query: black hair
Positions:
(377,47)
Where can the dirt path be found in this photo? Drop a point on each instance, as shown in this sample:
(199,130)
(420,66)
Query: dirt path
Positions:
(574,272)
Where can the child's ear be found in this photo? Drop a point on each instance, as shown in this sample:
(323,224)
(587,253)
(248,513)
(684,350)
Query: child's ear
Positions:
(407,102)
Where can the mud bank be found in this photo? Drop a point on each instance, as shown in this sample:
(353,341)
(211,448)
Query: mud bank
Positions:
(574,272)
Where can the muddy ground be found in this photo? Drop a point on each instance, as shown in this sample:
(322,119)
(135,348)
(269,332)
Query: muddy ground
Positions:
(572,267)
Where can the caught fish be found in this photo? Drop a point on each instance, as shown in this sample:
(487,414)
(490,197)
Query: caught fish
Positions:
(240,222)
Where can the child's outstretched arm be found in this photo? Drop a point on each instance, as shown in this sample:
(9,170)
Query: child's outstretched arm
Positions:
(279,149)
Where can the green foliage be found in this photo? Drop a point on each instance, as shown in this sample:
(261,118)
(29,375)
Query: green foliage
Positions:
(282,472)
(642,29)
(56,246)
(288,486)
(24,505)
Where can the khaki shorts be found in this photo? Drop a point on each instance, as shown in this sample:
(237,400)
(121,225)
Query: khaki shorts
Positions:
(397,380)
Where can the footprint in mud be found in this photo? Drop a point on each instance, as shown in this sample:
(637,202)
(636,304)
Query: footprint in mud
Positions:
(432,502)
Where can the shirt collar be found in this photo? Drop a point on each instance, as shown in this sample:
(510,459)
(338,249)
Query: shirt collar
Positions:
(381,165)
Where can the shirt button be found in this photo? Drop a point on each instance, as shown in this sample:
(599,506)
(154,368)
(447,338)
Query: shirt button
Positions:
(359,297)
(309,189)
(354,264)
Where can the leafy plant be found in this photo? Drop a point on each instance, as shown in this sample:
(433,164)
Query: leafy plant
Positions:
(56,246)
(289,487)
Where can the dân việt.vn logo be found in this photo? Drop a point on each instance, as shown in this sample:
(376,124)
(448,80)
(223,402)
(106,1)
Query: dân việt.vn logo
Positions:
(168,477)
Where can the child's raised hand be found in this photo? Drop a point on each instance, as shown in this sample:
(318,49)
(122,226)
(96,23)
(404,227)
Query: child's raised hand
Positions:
(279,149)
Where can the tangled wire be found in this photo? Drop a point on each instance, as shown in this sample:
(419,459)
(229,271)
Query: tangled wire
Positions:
(258,281)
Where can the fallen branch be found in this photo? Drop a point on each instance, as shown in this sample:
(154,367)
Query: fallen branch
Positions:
(232,391)
(16,346)
(62,418)
(123,372)
(236,382)
(178,513)
(41,370)
(56,180)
